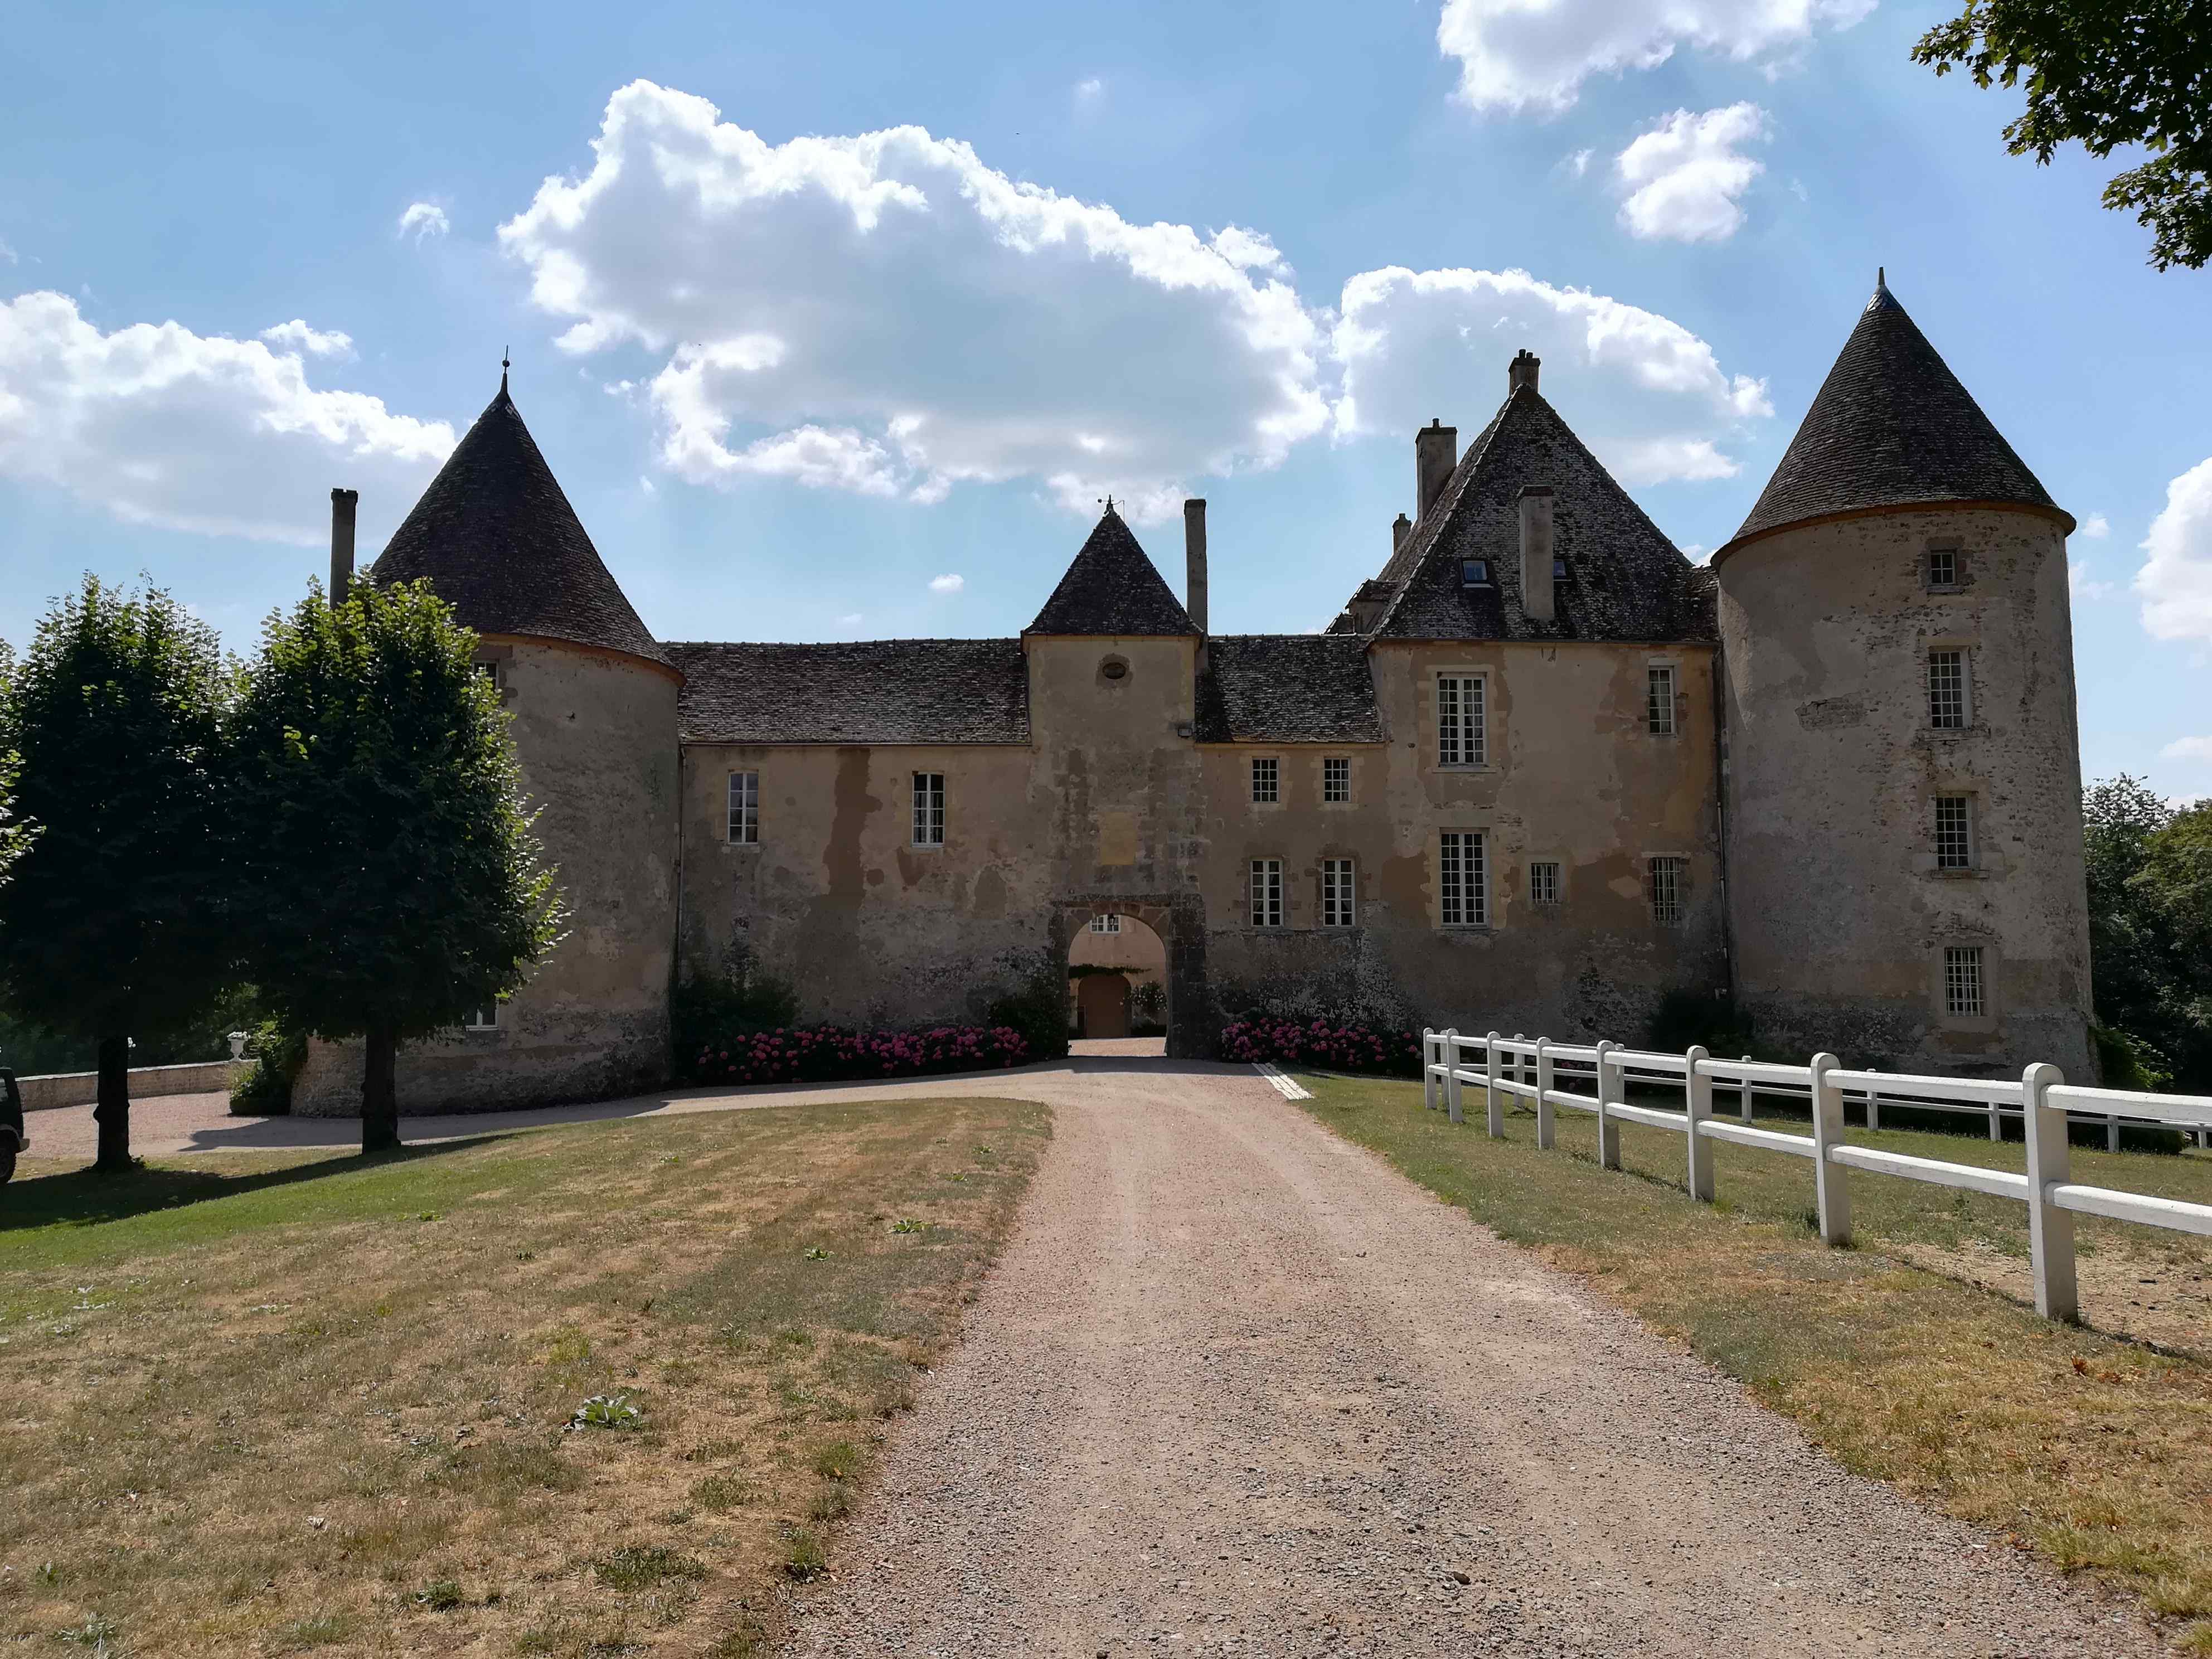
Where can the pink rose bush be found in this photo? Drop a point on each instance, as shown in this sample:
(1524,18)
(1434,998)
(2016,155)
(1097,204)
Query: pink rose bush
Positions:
(1335,1045)
(830,1054)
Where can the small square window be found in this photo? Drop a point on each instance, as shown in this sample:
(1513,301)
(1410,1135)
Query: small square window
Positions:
(1474,573)
(490,672)
(1108,922)
(1666,883)
(744,809)
(1559,569)
(1266,892)
(1544,881)
(1463,879)
(1336,778)
(1947,690)
(1267,780)
(485,1018)
(1962,980)
(1955,832)
(1659,700)
(1942,567)
(929,809)
(1338,904)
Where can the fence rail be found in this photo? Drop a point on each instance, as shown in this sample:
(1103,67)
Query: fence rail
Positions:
(1532,1069)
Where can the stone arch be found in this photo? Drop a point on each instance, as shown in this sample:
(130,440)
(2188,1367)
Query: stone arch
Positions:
(1180,921)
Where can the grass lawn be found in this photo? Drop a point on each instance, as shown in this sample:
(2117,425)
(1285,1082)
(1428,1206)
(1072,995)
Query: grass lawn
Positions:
(280,1402)
(1905,1356)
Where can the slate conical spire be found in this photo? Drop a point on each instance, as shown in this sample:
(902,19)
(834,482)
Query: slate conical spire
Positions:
(1892,426)
(1112,587)
(500,544)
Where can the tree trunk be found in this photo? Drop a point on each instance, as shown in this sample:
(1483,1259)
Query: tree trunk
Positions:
(380,1098)
(112,1113)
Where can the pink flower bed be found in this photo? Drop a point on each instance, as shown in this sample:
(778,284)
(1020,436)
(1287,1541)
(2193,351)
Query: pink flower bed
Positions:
(1336,1045)
(828,1054)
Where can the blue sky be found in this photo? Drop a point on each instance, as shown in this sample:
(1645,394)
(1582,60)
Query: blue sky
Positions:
(795,387)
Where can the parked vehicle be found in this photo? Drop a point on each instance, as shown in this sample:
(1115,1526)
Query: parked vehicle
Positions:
(13,1140)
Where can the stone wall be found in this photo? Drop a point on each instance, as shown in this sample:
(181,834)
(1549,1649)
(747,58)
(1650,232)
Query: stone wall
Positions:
(52,1088)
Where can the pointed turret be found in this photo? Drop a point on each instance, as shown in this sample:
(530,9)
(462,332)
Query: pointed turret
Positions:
(1892,426)
(499,543)
(1113,588)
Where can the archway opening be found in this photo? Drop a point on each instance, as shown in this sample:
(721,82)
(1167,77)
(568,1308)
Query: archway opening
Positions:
(1117,979)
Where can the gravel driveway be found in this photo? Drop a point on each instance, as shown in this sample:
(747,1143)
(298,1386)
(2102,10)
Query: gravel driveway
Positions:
(1238,1388)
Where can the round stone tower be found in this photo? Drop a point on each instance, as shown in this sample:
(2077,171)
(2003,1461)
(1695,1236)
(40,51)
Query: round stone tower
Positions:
(593,701)
(1902,786)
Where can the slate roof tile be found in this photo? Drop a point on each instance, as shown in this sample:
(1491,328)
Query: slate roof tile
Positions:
(901,691)
(1287,688)
(1112,587)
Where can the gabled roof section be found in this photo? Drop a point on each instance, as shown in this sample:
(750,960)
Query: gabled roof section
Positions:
(1112,589)
(1287,688)
(1891,427)
(917,691)
(500,544)
(1625,579)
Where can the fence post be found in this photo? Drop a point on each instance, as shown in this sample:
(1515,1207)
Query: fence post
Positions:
(1428,1074)
(1832,1191)
(1743,1096)
(1997,1122)
(1609,1126)
(1493,1102)
(1697,1094)
(2112,1133)
(1547,1125)
(1874,1107)
(2050,1229)
(1452,1071)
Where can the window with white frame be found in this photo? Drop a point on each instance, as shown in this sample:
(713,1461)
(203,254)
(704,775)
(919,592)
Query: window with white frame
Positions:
(1266,778)
(1955,832)
(1336,778)
(485,1018)
(1666,873)
(1543,881)
(1463,879)
(1459,738)
(1948,704)
(744,809)
(1266,892)
(929,809)
(1942,567)
(1659,700)
(1339,907)
(1106,922)
(1962,980)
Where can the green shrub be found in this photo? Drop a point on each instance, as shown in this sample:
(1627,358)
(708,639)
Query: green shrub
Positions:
(1707,1019)
(266,1091)
(709,1008)
(1039,1012)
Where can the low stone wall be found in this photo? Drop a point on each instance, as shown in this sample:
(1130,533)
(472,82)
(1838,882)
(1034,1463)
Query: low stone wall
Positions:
(83,1088)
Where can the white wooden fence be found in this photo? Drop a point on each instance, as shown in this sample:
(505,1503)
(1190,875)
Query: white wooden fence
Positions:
(1535,1070)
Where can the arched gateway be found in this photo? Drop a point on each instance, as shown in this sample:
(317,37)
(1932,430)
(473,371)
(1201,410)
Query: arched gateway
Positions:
(1180,921)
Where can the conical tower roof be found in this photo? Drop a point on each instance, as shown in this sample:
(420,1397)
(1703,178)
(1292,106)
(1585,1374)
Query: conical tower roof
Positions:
(1112,589)
(500,544)
(1892,426)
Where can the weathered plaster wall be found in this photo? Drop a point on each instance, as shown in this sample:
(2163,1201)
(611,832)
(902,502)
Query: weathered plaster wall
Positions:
(596,732)
(1840,915)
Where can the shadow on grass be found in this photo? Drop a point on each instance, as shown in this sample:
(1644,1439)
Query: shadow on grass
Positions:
(87,1198)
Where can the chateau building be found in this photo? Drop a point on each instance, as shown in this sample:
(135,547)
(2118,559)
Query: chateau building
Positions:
(1542,770)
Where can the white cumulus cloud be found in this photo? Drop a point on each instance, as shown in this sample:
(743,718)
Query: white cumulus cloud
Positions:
(1518,55)
(949,583)
(297,336)
(1646,394)
(423,219)
(162,426)
(2096,526)
(2083,585)
(884,312)
(1684,176)
(2175,583)
(2193,749)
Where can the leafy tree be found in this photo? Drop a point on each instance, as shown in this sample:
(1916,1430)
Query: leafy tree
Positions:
(387,881)
(110,920)
(15,834)
(2105,73)
(2150,927)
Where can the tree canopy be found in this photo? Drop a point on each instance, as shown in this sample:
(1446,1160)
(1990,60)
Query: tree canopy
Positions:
(2150,925)
(387,878)
(2104,74)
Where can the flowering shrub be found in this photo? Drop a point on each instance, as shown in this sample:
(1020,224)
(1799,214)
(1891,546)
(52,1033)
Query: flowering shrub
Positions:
(1337,1045)
(828,1054)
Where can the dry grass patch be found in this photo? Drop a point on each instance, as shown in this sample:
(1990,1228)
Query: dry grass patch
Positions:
(578,1392)
(2091,1446)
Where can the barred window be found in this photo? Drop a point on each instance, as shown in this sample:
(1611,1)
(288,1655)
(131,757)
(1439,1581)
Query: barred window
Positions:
(1463,879)
(929,809)
(1666,871)
(485,1018)
(1942,567)
(1460,740)
(1106,922)
(1337,906)
(1947,690)
(1267,780)
(1267,885)
(1336,778)
(744,809)
(1659,700)
(1962,979)
(1955,833)
(1544,882)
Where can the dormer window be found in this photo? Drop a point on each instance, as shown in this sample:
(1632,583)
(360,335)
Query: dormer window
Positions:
(1474,573)
(1559,569)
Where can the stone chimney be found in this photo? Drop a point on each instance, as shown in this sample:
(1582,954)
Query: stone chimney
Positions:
(1536,550)
(1521,371)
(1436,452)
(1400,528)
(342,503)
(1194,543)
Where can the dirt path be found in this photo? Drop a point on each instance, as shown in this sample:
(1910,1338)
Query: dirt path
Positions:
(1238,1388)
